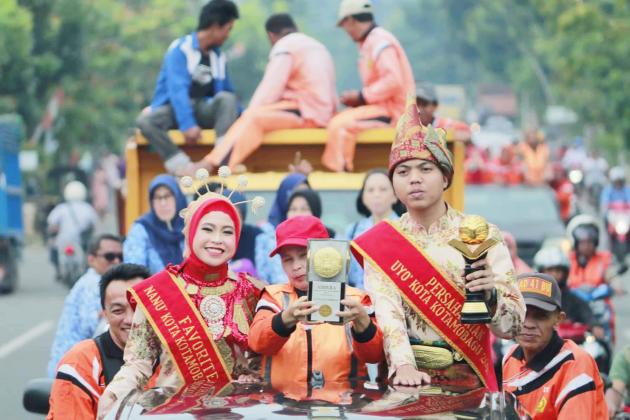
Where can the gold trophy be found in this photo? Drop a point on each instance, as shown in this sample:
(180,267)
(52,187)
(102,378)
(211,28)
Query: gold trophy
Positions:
(327,273)
(473,245)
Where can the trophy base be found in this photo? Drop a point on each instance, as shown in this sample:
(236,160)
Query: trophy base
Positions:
(475,312)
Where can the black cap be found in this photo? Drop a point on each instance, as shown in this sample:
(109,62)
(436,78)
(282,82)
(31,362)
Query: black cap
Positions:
(540,290)
(426,91)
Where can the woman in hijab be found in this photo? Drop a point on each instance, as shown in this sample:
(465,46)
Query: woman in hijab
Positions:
(307,203)
(270,269)
(194,317)
(155,238)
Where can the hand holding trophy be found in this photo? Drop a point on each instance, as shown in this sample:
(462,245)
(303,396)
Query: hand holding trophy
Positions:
(327,272)
(473,245)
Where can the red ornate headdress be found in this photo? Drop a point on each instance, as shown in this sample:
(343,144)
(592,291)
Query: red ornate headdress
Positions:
(415,141)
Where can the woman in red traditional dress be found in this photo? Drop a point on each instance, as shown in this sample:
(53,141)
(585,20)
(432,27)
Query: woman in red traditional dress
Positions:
(193,318)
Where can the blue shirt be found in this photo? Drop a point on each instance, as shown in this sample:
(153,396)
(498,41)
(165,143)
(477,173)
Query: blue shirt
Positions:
(610,194)
(269,269)
(176,75)
(138,249)
(79,318)
(355,276)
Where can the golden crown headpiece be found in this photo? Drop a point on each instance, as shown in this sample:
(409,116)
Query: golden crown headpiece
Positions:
(202,178)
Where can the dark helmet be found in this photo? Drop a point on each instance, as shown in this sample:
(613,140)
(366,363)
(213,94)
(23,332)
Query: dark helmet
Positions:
(588,232)
(583,228)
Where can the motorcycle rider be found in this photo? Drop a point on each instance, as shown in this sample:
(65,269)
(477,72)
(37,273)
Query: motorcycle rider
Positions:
(616,191)
(70,220)
(564,191)
(553,261)
(591,268)
(588,266)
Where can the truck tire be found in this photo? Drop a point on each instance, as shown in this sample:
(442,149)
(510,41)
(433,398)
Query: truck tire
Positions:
(10,267)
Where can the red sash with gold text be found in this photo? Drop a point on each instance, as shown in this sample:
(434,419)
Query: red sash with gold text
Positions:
(428,291)
(181,329)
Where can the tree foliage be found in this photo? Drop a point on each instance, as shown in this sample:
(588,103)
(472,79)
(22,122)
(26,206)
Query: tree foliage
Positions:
(106,54)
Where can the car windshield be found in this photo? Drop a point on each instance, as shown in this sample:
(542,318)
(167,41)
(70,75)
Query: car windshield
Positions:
(501,205)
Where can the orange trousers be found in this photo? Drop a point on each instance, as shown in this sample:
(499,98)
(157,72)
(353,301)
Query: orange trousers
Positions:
(247,133)
(343,130)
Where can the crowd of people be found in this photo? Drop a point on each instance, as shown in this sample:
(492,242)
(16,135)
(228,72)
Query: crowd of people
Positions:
(194,292)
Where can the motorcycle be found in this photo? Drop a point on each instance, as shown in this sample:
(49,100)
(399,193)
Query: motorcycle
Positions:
(599,349)
(618,219)
(576,176)
(71,263)
(598,298)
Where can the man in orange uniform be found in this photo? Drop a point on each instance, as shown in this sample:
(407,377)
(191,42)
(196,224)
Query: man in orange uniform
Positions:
(589,266)
(386,76)
(296,351)
(552,378)
(297,91)
(87,368)
(427,103)
(535,154)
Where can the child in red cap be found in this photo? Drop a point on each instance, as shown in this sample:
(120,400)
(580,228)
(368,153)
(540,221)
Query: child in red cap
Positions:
(294,350)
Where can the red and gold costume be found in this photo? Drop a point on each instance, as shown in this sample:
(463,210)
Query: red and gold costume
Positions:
(193,318)
(416,281)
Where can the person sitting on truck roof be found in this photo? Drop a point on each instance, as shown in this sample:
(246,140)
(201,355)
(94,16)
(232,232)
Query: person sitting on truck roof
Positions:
(386,76)
(427,103)
(193,89)
(297,91)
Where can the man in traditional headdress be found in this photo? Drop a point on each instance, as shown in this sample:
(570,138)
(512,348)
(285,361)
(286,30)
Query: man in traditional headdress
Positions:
(417,282)
(386,76)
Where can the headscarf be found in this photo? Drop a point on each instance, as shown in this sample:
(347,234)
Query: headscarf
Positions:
(278,213)
(312,198)
(198,209)
(415,141)
(247,240)
(167,242)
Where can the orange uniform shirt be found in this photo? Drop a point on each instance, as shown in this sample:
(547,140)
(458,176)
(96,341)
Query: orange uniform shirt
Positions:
(79,382)
(593,274)
(536,162)
(331,352)
(385,72)
(561,382)
(81,379)
(300,70)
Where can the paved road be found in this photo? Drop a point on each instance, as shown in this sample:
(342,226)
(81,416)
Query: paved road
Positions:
(28,319)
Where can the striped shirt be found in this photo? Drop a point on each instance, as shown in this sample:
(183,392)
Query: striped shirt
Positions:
(560,382)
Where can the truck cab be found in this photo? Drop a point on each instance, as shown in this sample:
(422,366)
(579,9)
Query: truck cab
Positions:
(11,223)
(269,164)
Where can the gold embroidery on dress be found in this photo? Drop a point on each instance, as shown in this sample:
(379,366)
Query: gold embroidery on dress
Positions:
(240,319)
(226,354)
(193,289)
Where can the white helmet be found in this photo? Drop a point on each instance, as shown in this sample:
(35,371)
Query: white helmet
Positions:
(353,7)
(74,191)
(551,257)
(617,173)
